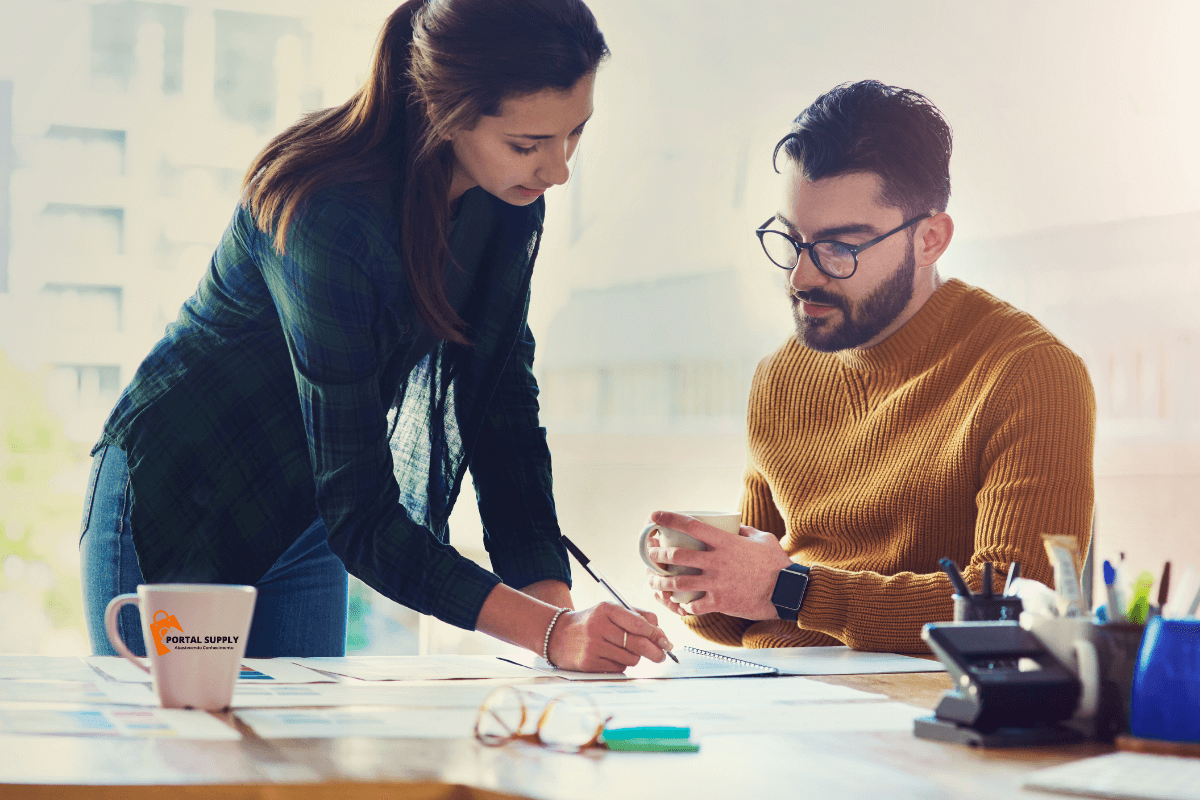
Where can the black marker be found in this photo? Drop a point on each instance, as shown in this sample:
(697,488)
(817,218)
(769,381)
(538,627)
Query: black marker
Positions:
(987,579)
(956,578)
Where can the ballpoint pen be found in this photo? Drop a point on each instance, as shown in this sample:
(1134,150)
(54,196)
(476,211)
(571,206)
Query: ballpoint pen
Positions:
(1115,612)
(1164,586)
(583,562)
(1195,604)
(1014,572)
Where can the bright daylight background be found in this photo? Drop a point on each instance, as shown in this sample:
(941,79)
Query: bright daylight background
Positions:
(125,128)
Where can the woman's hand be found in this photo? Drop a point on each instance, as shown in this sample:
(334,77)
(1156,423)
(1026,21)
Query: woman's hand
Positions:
(606,638)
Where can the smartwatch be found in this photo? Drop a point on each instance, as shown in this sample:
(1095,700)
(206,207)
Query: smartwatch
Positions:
(790,587)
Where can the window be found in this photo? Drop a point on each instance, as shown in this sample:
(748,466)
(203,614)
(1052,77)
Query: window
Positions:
(94,230)
(247,81)
(82,389)
(86,151)
(92,308)
(115,30)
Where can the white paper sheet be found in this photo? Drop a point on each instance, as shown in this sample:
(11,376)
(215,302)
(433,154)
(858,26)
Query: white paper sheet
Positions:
(45,668)
(89,720)
(58,691)
(729,662)
(740,691)
(831,660)
(1123,775)
(693,663)
(254,670)
(417,723)
(403,722)
(410,668)
(416,694)
(774,718)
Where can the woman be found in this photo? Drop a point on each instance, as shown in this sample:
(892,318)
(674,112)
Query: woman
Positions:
(358,341)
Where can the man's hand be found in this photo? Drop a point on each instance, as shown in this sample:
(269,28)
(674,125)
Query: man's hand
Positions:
(737,573)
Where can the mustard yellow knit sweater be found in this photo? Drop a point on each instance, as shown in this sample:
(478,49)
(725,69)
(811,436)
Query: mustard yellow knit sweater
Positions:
(968,433)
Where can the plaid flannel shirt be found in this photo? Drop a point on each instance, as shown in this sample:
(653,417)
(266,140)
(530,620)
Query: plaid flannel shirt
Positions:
(283,391)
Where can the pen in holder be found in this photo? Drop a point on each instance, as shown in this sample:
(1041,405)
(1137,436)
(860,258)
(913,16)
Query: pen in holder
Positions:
(985,606)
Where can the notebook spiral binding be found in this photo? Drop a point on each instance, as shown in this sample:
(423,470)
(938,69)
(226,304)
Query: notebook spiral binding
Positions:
(722,656)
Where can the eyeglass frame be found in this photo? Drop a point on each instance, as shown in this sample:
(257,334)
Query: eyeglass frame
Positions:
(854,249)
(536,736)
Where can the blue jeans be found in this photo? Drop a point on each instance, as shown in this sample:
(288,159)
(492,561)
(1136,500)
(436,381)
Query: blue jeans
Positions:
(302,600)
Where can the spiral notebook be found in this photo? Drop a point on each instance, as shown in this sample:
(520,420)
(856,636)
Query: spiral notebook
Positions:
(693,663)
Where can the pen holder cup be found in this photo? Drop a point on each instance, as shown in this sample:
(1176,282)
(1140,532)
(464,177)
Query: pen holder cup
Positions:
(1165,698)
(1117,646)
(982,609)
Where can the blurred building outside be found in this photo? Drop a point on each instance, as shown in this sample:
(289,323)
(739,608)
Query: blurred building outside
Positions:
(127,151)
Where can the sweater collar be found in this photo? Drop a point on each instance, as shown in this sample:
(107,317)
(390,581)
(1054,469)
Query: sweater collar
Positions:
(911,337)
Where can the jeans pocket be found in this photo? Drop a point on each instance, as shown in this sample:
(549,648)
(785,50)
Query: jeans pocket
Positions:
(89,499)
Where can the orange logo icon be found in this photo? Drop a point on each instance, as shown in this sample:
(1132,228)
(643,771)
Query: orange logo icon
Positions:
(160,626)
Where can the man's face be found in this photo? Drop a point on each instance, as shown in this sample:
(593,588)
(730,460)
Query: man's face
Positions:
(864,309)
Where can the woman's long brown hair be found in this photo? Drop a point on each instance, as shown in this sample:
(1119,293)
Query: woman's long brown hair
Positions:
(438,66)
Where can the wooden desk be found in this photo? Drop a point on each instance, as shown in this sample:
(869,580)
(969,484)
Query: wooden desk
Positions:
(878,766)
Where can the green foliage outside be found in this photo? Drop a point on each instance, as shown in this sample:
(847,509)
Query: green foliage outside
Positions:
(41,606)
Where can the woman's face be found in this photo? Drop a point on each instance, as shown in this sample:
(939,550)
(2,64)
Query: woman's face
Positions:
(521,153)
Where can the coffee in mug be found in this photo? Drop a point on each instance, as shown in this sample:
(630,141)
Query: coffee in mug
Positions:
(728,521)
(195,636)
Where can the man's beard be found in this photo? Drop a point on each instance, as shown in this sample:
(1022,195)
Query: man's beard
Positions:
(860,323)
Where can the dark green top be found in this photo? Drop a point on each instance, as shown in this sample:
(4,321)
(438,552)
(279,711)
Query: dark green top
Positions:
(304,384)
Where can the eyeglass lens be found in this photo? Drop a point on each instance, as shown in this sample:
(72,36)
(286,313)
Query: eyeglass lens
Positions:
(570,722)
(567,722)
(501,717)
(833,258)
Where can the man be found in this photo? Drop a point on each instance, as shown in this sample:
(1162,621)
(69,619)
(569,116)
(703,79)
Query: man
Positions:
(910,419)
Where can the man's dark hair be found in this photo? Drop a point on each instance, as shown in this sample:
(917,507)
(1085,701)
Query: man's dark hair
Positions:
(868,126)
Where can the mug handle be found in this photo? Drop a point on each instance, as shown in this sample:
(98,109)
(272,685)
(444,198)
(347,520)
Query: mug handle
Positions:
(649,529)
(110,627)
(1089,677)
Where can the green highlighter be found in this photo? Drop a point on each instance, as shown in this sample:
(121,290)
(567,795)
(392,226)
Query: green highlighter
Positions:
(1139,606)
(650,739)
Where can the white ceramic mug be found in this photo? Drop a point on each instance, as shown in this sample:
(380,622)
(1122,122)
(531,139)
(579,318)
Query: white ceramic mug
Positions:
(1069,639)
(728,521)
(195,635)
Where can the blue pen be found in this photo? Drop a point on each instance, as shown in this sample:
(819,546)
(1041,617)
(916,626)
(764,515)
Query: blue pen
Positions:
(1116,610)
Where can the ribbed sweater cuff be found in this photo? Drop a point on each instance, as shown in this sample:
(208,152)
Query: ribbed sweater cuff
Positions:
(826,602)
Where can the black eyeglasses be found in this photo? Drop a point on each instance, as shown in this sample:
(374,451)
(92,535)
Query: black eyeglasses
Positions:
(835,259)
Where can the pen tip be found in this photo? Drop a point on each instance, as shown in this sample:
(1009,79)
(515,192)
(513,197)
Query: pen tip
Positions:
(674,657)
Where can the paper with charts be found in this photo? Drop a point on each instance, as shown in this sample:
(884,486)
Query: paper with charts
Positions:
(65,719)
(254,670)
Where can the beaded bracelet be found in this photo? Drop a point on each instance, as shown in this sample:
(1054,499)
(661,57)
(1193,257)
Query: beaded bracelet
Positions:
(546,642)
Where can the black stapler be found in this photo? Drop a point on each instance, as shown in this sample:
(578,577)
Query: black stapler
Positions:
(1009,690)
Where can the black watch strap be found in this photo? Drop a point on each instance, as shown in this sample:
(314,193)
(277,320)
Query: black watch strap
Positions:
(790,588)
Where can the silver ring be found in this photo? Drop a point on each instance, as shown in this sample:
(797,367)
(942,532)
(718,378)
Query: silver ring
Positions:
(625,641)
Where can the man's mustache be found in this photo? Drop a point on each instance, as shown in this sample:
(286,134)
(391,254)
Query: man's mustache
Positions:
(818,296)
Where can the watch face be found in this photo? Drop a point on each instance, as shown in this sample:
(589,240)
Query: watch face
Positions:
(789,590)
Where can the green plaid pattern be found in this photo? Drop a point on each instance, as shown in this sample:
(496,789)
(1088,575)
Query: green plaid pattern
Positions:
(298,385)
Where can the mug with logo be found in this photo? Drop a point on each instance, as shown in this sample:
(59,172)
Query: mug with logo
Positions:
(728,521)
(195,636)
